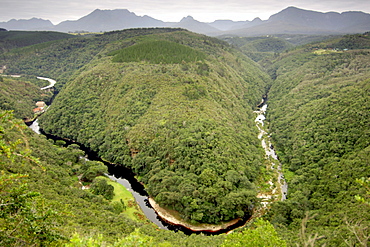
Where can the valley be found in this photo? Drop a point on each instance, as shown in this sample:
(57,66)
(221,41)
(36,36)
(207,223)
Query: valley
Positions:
(191,127)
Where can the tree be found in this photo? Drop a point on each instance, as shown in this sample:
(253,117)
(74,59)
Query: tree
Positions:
(99,186)
(365,183)
(24,219)
(263,234)
(92,169)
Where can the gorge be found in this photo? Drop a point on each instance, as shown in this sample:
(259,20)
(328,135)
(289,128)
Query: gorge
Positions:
(187,129)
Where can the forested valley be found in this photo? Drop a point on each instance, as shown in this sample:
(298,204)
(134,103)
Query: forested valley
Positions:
(177,108)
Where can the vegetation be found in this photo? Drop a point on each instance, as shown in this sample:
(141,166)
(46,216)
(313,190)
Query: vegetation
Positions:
(319,118)
(20,95)
(258,48)
(185,127)
(42,203)
(60,59)
(14,39)
(158,52)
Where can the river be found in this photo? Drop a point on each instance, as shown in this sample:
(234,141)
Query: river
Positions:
(51,81)
(270,153)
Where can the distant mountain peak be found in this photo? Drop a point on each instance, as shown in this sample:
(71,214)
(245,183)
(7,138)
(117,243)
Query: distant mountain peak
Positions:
(24,24)
(257,19)
(188,18)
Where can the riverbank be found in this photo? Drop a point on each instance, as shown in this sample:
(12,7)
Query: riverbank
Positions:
(171,219)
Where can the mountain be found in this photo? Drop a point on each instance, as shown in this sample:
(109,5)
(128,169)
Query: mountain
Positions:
(291,20)
(327,21)
(195,26)
(108,20)
(225,25)
(31,24)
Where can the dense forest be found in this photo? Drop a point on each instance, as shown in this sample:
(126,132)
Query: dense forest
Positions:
(177,108)
(319,121)
(183,123)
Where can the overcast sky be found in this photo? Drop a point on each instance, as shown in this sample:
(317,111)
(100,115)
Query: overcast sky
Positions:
(170,10)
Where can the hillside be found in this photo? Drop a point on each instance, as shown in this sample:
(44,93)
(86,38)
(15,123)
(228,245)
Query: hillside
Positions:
(60,59)
(43,203)
(319,121)
(15,39)
(183,123)
(258,48)
(20,95)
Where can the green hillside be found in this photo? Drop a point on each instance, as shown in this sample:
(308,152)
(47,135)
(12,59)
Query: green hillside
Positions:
(20,95)
(14,39)
(258,48)
(319,121)
(60,59)
(185,126)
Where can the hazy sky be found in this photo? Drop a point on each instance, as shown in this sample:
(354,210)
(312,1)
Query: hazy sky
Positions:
(170,10)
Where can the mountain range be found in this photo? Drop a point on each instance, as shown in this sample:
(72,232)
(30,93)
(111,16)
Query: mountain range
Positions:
(291,20)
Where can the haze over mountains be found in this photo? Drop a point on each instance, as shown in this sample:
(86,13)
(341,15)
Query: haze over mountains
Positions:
(291,20)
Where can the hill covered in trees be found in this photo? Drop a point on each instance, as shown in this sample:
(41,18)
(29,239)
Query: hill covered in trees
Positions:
(14,39)
(319,122)
(177,108)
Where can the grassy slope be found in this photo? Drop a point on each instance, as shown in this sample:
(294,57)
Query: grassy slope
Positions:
(121,193)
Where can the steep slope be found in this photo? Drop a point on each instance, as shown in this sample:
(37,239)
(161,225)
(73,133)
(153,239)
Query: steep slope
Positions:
(184,126)
(42,201)
(319,120)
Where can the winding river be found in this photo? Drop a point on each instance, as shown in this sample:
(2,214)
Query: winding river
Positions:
(125,177)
